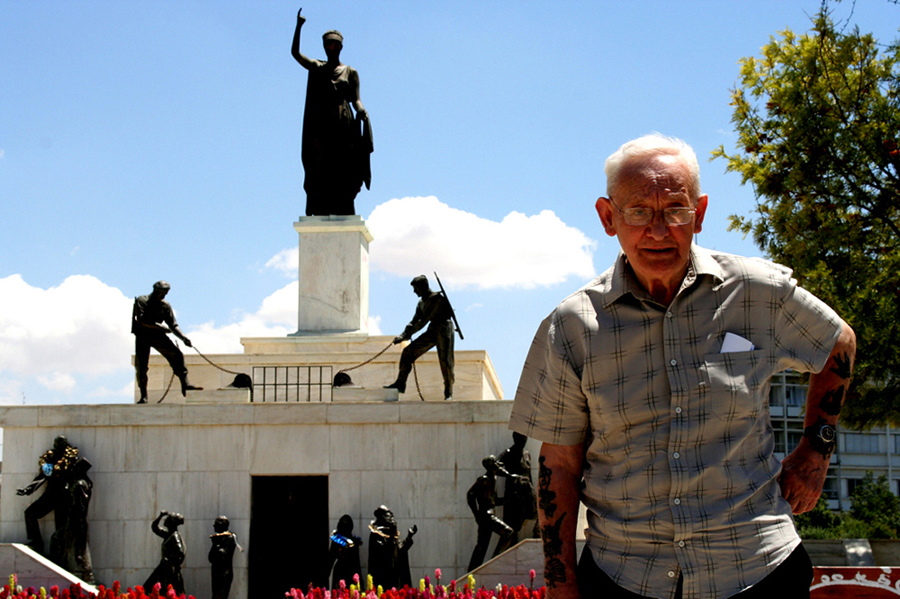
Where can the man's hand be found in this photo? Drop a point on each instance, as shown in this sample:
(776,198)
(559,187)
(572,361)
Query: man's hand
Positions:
(187,342)
(398,339)
(300,19)
(802,477)
(412,531)
(362,114)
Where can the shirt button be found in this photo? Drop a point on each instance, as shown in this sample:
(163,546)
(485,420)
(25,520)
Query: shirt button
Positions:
(677,501)
(674,362)
(681,543)
(669,315)
(671,574)
(676,455)
(678,410)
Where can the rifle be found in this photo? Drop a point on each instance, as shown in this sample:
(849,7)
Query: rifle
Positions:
(452,312)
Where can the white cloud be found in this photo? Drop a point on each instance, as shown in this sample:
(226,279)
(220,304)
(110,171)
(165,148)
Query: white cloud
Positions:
(10,391)
(81,326)
(286,261)
(57,381)
(420,235)
(64,338)
(125,392)
(375,325)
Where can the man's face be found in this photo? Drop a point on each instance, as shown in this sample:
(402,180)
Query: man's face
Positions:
(657,252)
(420,289)
(158,293)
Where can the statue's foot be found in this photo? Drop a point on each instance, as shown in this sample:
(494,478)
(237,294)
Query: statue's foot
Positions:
(448,398)
(401,387)
(143,399)
(185,387)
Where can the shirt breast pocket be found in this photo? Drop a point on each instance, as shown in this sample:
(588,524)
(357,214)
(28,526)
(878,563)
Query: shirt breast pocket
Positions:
(736,384)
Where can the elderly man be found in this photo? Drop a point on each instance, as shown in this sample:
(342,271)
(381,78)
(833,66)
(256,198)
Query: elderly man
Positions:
(649,389)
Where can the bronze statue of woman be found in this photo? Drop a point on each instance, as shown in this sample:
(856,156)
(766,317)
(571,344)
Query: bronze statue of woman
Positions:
(336,145)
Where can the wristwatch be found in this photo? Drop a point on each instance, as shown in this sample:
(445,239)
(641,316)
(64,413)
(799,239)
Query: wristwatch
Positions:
(822,437)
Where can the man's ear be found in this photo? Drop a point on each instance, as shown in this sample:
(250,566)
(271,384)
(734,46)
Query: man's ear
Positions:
(701,211)
(604,210)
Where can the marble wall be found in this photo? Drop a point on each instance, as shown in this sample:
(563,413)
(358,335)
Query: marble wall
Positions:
(418,458)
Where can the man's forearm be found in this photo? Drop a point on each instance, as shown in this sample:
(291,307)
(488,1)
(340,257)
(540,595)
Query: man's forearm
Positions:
(803,472)
(828,387)
(559,481)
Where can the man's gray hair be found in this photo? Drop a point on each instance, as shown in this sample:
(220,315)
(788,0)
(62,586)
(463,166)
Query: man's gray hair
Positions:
(654,144)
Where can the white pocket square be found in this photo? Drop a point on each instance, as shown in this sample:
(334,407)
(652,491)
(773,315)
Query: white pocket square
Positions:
(735,343)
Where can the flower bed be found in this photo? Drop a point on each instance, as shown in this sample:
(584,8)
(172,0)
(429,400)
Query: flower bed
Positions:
(425,590)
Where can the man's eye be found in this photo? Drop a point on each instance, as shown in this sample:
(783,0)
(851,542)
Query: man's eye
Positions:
(640,212)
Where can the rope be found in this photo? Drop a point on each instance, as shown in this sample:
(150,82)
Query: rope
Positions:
(169,386)
(416,376)
(370,360)
(367,361)
(211,363)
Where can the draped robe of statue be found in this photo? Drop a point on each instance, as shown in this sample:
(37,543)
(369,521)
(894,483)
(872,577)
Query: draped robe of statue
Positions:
(336,145)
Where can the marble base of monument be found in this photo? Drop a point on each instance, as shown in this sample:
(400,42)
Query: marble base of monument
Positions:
(333,275)
(307,364)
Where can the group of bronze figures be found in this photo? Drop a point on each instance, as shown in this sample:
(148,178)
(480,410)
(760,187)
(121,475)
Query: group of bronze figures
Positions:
(67,493)
(388,552)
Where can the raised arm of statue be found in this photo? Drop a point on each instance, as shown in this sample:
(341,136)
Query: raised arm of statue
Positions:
(160,529)
(295,46)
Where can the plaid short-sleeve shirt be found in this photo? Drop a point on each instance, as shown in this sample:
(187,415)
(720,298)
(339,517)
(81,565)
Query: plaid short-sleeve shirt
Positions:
(680,475)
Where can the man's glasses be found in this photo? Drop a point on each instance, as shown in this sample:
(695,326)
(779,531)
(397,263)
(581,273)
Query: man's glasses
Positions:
(641,216)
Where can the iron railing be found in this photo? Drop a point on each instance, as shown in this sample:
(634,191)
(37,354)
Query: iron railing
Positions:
(292,384)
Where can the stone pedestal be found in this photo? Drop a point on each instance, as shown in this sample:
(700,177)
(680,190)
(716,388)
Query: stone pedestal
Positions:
(333,275)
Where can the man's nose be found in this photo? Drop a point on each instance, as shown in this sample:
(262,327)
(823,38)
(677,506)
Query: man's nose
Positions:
(658,228)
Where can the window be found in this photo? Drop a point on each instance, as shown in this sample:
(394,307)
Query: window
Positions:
(832,486)
(795,395)
(861,443)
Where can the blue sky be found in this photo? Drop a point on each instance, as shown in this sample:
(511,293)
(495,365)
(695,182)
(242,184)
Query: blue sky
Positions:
(160,140)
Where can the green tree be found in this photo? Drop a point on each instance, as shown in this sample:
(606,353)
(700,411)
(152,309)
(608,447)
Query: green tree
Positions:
(818,119)
(873,503)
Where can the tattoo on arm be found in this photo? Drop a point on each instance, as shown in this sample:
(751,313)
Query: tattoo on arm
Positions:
(545,495)
(554,569)
(832,400)
(842,366)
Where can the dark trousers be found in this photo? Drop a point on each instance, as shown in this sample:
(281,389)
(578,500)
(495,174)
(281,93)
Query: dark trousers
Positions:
(161,343)
(440,335)
(790,579)
(487,525)
(50,501)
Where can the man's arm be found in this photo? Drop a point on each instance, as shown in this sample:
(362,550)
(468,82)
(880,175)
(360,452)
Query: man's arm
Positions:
(803,471)
(559,481)
(414,325)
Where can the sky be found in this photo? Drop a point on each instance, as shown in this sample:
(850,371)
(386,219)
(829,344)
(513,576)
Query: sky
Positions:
(161,140)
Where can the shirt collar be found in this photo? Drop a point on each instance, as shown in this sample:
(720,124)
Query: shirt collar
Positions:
(622,282)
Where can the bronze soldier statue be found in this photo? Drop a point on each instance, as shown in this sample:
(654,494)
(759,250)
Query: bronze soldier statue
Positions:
(149,311)
(433,310)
